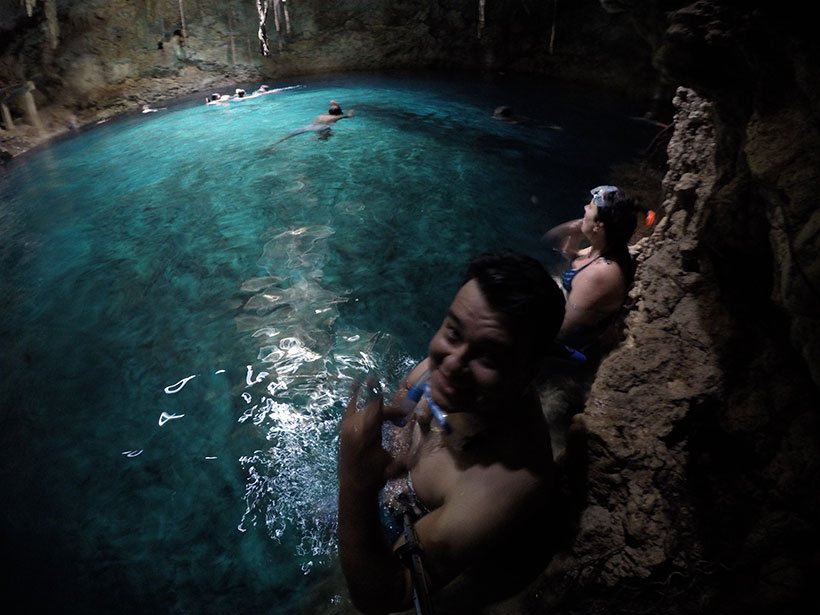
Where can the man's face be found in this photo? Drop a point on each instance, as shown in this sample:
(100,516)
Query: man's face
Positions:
(475,362)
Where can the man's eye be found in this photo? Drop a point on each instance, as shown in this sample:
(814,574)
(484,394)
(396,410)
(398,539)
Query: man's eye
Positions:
(451,333)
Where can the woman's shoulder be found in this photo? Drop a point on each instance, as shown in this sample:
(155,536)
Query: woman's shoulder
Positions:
(603,270)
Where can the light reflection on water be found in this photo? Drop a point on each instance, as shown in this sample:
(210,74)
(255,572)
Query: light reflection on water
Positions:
(305,370)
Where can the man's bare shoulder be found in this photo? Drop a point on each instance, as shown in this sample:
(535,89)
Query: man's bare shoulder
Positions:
(486,504)
(501,480)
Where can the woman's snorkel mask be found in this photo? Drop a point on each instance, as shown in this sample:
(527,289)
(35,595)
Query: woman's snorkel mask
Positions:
(600,194)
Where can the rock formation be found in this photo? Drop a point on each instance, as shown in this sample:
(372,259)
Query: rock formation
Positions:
(696,457)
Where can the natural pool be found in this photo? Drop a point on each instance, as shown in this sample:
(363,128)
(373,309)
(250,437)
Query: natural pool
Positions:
(183,308)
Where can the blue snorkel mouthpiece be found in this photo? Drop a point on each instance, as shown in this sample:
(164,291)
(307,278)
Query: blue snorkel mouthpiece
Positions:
(438,414)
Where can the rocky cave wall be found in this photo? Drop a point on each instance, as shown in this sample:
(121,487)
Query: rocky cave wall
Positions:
(695,462)
(696,457)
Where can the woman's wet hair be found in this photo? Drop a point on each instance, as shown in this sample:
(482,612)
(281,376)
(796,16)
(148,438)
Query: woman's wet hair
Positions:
(519,288)
(618,212)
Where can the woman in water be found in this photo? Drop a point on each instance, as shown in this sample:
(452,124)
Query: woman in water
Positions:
(600,274)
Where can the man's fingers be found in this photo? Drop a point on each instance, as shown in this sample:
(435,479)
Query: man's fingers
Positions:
(372,407)
(353,401)
(373,410)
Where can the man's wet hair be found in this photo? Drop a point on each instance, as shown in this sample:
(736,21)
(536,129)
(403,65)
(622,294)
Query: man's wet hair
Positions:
(519,288)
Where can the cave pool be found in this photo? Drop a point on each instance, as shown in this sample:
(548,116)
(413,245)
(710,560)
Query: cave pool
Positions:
(183,309)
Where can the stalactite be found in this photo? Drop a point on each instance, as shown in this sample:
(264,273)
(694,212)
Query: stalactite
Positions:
(287,16)
(182,19)
(51,23)
(231,34)
(262,11)
(280,16)
(552,29)
(480,17)
(276,16)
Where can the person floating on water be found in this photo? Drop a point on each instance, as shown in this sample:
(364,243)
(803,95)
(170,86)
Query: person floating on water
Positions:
(150,109)
(505,114)
(599,275)
(217,98)
(472,462)
(321,124)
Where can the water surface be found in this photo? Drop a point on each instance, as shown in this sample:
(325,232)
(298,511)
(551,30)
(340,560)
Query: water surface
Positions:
(184,308)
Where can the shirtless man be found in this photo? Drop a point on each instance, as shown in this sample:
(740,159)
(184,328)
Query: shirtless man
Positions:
(321,123)
(478,463)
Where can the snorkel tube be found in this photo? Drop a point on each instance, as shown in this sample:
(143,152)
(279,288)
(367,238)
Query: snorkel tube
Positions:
(438,414)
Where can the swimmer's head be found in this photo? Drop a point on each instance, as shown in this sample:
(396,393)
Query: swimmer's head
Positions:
(503,112)
(240,92)
(335,109)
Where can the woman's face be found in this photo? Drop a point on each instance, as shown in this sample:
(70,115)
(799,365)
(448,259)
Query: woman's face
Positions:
(590,217)
(475,362)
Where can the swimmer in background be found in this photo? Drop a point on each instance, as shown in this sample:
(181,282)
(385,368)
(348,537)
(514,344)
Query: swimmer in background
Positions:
(217,98)
(321,123)
(333,115)
(505,114)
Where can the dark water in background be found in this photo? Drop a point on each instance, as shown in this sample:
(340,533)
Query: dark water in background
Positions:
(183,308)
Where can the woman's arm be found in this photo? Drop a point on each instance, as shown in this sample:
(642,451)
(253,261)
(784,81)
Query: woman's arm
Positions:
(566,237)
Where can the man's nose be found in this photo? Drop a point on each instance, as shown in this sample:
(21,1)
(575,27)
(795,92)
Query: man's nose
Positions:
(457,359)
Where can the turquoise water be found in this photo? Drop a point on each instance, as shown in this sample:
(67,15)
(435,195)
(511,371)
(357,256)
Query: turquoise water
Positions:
(184,308)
